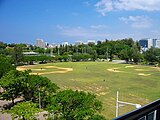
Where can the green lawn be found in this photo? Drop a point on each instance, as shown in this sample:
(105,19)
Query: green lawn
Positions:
(95,77)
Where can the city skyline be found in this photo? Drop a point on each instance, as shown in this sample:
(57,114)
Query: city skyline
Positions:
(78,20)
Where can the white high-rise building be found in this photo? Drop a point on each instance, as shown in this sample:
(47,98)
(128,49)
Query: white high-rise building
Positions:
(150,43)
(158,43)
(40,43)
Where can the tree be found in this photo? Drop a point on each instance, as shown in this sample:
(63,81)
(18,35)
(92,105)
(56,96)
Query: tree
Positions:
(3,45)
(39,50)
(128,41)
(94,55)
(43,58)
(12,85)
(29,59)
(152,55)
(91,44)
(24,111)
(35,85)
(5,65)
(97,117)
(63,58)
(9,51)
(136,55)
(124,55)
(17,83)
(73,105)
(17,54)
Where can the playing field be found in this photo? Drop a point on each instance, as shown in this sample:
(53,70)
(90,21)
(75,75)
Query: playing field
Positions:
(135,83)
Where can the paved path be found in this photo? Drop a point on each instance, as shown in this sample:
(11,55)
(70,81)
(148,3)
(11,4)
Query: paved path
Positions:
(119,61)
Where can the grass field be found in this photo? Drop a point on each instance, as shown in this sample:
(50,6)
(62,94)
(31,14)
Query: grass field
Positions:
(135,83)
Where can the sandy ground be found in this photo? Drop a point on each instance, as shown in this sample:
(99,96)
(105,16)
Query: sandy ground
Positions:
(60,70)
(142,74)
(117,70)
(21,68)
(129,66)
(140,70)
(157,68)
(63,70)
(39,69)
(114,70)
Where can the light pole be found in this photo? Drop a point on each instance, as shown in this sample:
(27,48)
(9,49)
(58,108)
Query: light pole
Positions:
(117,104)
(124,103)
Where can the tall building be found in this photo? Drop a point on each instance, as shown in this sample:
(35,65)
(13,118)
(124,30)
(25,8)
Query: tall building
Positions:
(154,42)
(158,43)
(148,43)
(46,44)
(40,43)
(143,43)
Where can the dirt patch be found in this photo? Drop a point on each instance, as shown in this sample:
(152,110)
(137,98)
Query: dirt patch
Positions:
(64,71)
(51,67)
(142,74)
(102,93)
(60,70)
(140,70)
(38,69)
(157,68)
(129,66)
(114,70)
(73,80)
(34,74)
(21,68)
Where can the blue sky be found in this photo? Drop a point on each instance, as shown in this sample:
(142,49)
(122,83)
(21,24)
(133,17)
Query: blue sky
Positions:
(56,21)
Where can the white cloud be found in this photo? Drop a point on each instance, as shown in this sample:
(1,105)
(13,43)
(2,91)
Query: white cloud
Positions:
(92,32)
(137,21)
(105,6)
(99,26)
(97,32)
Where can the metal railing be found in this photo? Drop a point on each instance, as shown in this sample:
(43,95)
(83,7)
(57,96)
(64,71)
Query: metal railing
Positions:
(148,112)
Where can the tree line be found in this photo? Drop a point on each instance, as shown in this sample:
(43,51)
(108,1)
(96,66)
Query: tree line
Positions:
(124,49)
(38,94)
